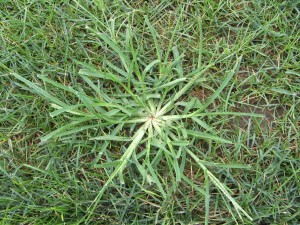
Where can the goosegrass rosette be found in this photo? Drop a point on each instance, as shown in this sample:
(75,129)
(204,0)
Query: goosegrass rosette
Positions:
(163,119)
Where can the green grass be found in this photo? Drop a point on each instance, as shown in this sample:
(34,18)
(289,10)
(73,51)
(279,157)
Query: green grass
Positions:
(170,112)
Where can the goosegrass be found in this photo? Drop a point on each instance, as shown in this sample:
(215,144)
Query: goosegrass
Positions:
(168,112)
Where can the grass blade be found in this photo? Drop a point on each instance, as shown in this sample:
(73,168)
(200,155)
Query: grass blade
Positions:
(154,34)
(39,90)
(114,46)
(123,162)
(219,185)
(182,91)
(208,136)
(223,85)
(111,138)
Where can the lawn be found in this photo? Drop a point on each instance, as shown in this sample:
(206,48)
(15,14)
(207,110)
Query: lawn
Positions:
(149,112)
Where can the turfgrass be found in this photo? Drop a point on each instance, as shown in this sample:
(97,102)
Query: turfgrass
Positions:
(149,113)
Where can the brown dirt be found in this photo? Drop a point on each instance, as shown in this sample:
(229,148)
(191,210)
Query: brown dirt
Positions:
(270,115)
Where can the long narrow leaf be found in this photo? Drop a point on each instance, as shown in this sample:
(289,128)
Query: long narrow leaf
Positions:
(207,136)
(148,67)
(223,85)
(111,138)
(39,90)
(114,46)
(182,91)
(123,162)
(219,185)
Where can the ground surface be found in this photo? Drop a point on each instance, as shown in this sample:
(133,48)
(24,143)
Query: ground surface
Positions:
(53,182)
